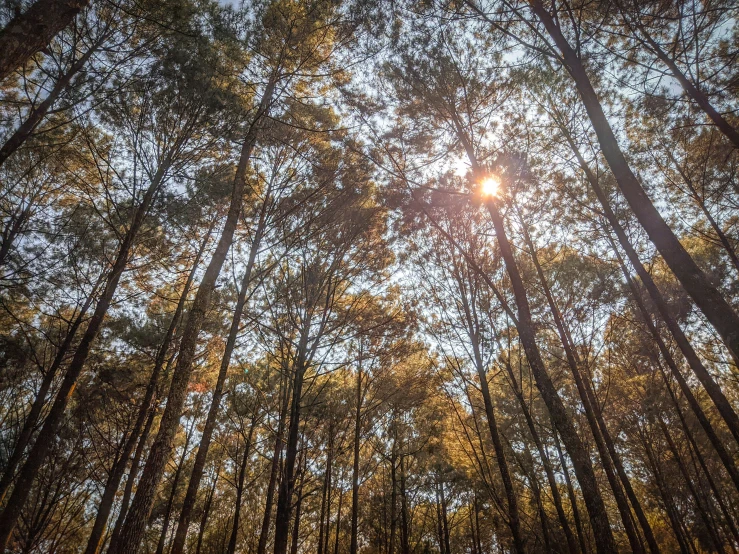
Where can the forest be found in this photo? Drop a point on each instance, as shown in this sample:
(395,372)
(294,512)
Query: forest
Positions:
(369,276)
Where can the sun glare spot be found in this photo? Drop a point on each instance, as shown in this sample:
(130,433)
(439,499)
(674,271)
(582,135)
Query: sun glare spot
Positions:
(490,185)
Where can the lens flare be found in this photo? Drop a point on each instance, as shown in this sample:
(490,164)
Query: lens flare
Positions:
(490,185)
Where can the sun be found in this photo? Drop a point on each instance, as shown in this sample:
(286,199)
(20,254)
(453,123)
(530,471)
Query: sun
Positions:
(490,185)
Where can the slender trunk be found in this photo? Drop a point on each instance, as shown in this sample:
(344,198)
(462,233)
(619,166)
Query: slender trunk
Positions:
(570,493)
(393,498)
(445,519)
(714,391)
(723,239)
(701,461)
(38,403)
(672,514)
(196,475)
(31,31)
(298,506)
(577,451)
(695,406)
(603,438)
(536,490)
(173,493)
(439,525)
(206,512)
(326,491)
(54,420)
(404,519)
(37,114)
(135,524)
(240,490)
(274,473)
(144,415)
(706,296)
(551,479)
(132,474)
(477,525)
(287,483)
(338,517)
(355,463)
(693,492)
(514,520)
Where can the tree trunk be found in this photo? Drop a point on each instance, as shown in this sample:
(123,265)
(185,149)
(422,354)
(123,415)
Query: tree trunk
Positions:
(707,297)
(39,402)
(325,494)
(191,495)
(553,486)
(571,493)
(32,31)
(206,512)
(240,490)
(672,514)
(598,426)
(170,503)
(338,517)
(145,413)
(714,391)
(355,462)
(287,483)
(514,520)
(135,524)
(527,334)
(693,492)
(54,420)
(405,547)
(37,114)
(577,451)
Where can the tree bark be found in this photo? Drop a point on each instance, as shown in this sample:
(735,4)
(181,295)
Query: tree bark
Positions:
(183,523)
(706,296)
(54,420)
(240,490)
(31,31)
(135,524)
(145,409)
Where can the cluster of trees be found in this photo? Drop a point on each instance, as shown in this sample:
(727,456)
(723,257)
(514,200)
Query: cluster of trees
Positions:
(363,276)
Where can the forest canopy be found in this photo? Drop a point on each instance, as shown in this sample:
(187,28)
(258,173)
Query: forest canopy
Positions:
(369,276)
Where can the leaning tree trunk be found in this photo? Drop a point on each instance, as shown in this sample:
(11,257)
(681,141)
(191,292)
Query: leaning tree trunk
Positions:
(145,409)
(196,475)
(133,528)
(37,114)
(712,388)
(240,489)
(576,449)
(31,31)
(706,296)
(40,401)
(54,420)
(603,439)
